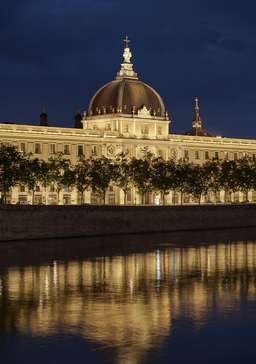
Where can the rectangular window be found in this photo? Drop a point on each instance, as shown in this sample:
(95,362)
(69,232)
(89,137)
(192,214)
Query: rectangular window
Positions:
(216,155)
(186,155)
(108,127)
(126,128)
(225,155)
(37,188)
(22,189)
(207,155)
(254,156)
(66,149)
(37,148)
(23,147)
(197,154)
(235,156)
(80,150)
(52,148)
(94,150)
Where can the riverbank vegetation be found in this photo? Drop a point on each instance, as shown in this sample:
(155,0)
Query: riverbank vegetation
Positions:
(147,174)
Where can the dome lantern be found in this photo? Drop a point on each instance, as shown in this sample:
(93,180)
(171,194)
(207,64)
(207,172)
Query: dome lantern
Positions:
(126,70)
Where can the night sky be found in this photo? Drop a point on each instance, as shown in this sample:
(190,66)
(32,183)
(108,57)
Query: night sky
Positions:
(59,52)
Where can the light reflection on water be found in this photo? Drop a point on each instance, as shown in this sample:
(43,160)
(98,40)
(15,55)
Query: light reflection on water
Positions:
(128,305)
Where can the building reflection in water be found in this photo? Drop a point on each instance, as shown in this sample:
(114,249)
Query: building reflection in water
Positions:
(127,303)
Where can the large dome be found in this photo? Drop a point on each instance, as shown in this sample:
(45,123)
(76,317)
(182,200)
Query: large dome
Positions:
(126,96)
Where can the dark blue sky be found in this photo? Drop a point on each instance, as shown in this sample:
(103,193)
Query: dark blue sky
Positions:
(58,52)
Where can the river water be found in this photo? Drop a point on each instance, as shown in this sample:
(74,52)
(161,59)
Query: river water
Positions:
(180,298)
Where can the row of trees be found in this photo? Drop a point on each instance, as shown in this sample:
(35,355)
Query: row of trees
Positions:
(147,174)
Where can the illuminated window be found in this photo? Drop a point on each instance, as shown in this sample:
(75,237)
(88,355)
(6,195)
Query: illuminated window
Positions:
(216,155)
(207,155)
(186,155)
(226,155)
(37,148)
(235,156)
(22,188)
(197,154)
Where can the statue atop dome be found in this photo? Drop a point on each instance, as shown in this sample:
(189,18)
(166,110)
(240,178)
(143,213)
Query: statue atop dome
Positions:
(126,70)
(127,55)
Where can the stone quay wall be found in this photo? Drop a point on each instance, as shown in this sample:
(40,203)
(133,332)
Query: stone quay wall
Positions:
(19,222)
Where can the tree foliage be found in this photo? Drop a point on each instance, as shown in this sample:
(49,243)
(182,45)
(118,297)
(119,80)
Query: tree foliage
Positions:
(145,174)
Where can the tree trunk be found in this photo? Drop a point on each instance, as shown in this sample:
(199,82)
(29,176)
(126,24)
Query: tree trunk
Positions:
(163,198)
(58,196)
(82,197)
(125,197)
(143,198)
(4,197)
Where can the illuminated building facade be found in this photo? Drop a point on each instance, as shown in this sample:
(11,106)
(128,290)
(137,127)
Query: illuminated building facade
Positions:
(124,115)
